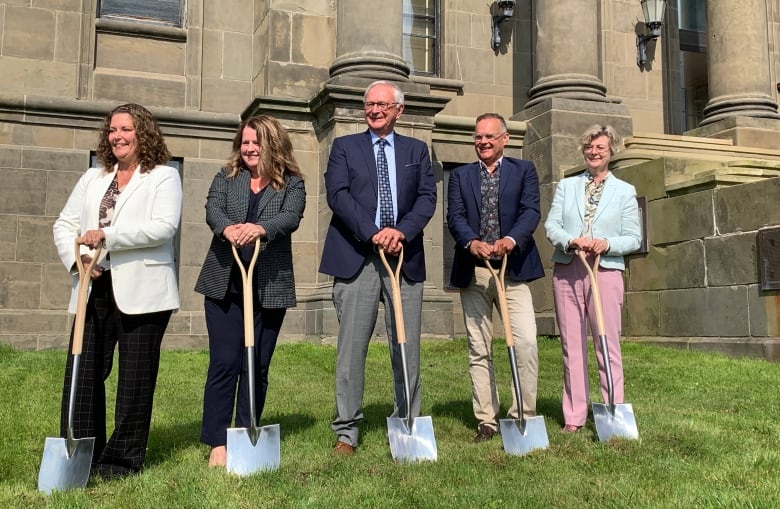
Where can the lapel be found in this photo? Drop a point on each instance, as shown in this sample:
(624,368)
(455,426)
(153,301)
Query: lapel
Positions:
(472,180)
(400,153)
(579,193)
(241,192)
(367,149)
(269,194)
(102,183)
(504,178)
(606,195)
(135,183)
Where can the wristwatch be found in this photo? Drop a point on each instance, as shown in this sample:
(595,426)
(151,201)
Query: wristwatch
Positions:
(468,244)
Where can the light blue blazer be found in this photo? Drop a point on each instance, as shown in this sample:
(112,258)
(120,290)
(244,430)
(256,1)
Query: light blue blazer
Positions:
(616,220)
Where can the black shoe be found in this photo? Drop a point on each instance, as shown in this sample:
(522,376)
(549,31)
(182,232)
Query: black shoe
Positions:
(484,433)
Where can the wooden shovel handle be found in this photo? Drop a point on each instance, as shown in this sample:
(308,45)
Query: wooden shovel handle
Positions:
(85,274)
(503,307)
(246,278)
(395,283)
(594,289)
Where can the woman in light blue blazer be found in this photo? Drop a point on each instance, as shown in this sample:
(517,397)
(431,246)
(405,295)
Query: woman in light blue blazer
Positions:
(596,213)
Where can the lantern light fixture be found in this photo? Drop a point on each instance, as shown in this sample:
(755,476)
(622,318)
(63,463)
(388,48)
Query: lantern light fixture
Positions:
(653,11)
(504,11)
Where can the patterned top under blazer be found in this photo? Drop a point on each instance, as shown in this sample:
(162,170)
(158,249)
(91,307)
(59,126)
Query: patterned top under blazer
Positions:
(279,212)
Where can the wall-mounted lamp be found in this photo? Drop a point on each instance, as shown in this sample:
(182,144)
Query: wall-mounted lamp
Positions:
(654,20)
(504,12)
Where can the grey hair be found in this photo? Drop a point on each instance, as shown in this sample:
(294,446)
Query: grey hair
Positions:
(495,116)
(398,95)
(594,131)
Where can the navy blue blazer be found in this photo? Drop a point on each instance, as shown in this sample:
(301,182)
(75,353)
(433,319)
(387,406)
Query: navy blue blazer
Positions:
(351,186)
(518,208)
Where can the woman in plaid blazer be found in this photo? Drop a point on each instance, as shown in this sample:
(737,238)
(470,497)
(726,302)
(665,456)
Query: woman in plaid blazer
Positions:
(259,194)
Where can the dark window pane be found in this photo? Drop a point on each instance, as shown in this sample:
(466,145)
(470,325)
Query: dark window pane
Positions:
(165,11)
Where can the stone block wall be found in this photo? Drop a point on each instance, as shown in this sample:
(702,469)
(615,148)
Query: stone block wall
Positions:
(698,284)
(41,158)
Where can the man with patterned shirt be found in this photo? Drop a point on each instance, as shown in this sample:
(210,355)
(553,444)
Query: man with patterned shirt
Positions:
(492,211)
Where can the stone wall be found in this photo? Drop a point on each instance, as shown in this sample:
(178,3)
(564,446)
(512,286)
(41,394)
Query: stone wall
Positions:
(697,286)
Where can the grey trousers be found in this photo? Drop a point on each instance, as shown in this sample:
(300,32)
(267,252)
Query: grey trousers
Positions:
(357,301)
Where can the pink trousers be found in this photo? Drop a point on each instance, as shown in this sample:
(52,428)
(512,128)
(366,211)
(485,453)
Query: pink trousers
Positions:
(574,311)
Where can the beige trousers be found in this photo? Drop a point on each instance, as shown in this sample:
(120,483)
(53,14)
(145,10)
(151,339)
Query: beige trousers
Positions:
(478,301)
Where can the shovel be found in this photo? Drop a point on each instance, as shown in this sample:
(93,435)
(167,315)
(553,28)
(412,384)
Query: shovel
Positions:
(520,436)
(411,439)
(611,420)
(66,461)
(254,448)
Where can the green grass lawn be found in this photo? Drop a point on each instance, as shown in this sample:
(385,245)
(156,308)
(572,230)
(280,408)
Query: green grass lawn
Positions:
(708,428)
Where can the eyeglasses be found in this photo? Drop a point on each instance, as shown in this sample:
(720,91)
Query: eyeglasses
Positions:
(381,106)
(598,148)
(488,137)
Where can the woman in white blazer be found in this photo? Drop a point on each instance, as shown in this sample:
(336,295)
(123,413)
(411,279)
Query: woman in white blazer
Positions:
(131,205)
(596,213)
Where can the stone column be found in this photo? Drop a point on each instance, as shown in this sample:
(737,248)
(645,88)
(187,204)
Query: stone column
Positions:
(567,52)
(368,41)
(738,61)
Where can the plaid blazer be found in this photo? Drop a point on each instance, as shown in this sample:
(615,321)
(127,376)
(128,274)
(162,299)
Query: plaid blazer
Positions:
(279,212)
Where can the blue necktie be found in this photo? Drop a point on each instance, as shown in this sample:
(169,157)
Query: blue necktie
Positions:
(385,194)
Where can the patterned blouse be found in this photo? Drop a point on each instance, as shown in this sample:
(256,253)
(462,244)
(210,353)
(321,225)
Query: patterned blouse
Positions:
(489,227)
(106,214)
(593,192)
(107,204)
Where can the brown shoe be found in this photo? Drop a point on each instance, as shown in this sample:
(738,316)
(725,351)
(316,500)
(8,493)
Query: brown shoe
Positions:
(343,449)
(571,428)
(484,433)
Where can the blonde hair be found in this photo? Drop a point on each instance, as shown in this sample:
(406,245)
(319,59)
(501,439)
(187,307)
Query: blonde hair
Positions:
(597,130)
(276,150)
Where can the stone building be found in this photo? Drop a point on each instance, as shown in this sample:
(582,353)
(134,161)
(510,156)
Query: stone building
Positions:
(699,113)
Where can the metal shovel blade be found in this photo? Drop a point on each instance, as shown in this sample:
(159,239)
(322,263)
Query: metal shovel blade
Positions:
(620,423)
(246,456)
(63,470)
(521,439)
(408,446)
(66,461)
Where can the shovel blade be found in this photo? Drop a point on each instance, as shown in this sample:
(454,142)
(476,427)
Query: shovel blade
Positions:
(417,444)
(245,457)
(621,423)
(519,439)
(61,470)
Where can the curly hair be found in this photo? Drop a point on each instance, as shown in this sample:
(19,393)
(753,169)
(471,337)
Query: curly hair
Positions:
(149,139)
(276,151)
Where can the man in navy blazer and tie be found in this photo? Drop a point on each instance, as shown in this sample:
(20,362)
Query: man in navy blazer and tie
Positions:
(492,211)
(381,190)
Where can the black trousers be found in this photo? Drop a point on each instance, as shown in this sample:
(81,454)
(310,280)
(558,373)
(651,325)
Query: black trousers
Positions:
(139,338)
(227,365)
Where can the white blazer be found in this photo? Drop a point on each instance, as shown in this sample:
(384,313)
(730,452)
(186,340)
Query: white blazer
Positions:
(140,238)
(616,219)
